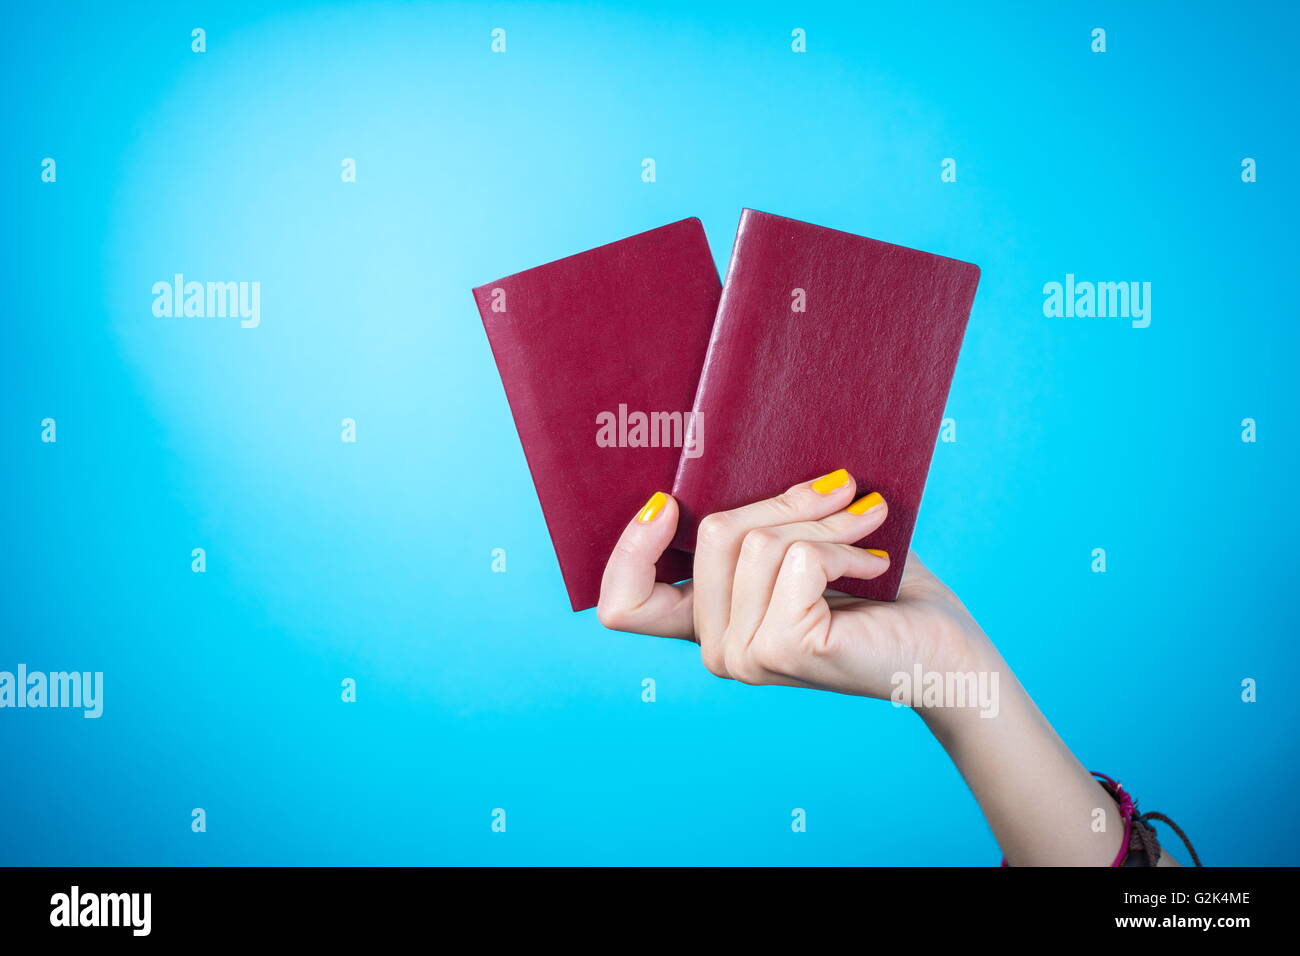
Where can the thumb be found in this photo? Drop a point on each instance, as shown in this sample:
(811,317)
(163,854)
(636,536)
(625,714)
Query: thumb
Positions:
(630,597)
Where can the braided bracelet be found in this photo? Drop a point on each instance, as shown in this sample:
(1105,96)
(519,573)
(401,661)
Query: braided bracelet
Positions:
(1137,831)
(1126,807)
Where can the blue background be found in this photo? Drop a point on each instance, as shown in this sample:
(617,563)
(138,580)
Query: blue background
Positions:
(373,561)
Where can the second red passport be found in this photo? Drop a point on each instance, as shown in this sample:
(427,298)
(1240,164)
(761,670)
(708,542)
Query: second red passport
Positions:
(829,351)
(600,355)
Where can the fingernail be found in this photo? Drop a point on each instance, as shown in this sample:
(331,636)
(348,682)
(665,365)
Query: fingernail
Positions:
(652,507)
(828,483)
(878,553)
(866,503)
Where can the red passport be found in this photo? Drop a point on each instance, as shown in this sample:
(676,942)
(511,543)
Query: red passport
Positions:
(600,356)
(829,351)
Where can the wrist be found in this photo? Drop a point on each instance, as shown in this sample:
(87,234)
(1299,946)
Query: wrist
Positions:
(984,684)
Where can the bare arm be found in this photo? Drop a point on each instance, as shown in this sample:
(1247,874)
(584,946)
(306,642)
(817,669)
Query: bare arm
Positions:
(759,609)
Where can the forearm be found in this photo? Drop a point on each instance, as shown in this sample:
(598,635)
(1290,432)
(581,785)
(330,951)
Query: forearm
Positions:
(1044,807)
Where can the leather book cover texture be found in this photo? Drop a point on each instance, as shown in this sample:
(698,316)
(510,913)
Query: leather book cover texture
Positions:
(600,355)
(829,351)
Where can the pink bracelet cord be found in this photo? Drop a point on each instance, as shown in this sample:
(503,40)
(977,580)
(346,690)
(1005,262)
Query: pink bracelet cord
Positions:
(1125,810)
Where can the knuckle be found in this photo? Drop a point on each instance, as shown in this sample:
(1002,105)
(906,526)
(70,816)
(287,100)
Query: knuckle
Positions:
(741,668)
(715,530)
(625,551)
(714,661)
(771,656)
(801,554)
(613,617)
(786,505)
(760,543)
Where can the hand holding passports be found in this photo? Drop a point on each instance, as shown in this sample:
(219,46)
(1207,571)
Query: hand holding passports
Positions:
(827,350)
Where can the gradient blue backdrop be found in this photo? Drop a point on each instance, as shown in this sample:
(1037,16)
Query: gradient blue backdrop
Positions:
(481,690)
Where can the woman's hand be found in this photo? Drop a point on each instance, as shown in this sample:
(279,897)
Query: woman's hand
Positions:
(760,611)
(758,605)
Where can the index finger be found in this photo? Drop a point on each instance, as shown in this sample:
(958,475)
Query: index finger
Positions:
(717,548)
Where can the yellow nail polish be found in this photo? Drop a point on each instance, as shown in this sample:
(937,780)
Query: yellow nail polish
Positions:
(652,507)
(828,483)
(866,503)
(878,553)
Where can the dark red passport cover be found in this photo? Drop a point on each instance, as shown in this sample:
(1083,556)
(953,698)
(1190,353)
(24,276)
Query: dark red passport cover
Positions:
(858,381)
(623,324)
